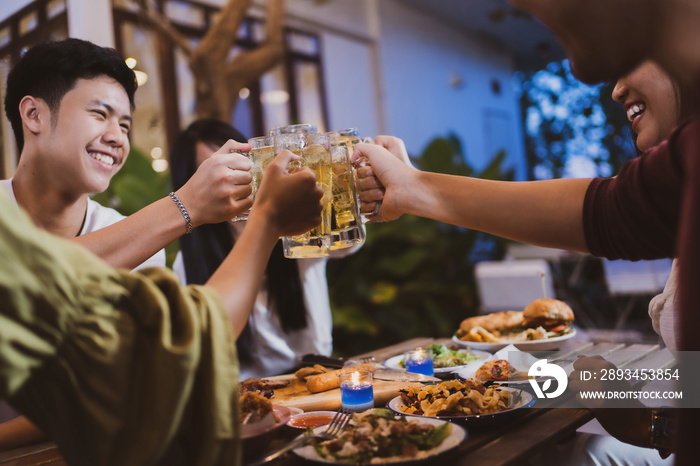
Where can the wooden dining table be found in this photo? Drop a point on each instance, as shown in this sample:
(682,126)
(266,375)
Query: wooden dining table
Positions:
(512,442)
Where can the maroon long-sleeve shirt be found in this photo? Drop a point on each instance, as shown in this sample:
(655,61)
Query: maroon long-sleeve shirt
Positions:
(652,210)
(635,215)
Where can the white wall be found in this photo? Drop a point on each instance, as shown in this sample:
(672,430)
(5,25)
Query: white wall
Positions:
(419,57)
(349,85)
(88,20)
(9,7)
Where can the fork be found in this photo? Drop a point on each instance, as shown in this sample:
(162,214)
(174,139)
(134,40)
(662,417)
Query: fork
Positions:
(333,430)
(561,362)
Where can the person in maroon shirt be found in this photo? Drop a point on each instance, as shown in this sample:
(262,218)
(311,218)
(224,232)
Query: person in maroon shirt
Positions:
(650,210)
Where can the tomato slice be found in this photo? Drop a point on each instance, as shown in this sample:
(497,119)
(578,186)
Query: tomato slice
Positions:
(558,328)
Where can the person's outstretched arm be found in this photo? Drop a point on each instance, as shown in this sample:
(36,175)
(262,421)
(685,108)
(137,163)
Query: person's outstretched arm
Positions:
(286,204)
(217,192)
(543,213)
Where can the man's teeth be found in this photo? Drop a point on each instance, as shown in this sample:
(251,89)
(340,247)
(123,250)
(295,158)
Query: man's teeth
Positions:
(102,158)
(634,111)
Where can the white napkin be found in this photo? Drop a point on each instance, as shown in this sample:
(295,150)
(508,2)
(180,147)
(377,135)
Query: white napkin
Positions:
(520,360)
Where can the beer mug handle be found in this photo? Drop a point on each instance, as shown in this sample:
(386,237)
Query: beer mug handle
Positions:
(376,214)
(243,216)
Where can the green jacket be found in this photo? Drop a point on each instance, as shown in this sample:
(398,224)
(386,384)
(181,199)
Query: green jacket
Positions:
(118,368)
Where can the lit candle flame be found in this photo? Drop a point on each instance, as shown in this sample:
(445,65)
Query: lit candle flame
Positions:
(355,379)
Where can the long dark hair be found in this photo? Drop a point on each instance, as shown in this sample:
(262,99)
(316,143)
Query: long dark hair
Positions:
(205,248)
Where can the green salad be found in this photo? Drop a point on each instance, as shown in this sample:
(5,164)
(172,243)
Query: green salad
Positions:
(379,433)
(445,357)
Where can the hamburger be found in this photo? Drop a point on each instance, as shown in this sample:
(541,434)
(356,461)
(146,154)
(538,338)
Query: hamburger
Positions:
(541,319)
(551,314)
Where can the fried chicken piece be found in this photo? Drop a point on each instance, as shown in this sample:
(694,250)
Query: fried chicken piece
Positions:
(263,387)
(255,407)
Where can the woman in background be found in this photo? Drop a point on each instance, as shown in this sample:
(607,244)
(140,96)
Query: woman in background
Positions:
(655,104)
(292,314)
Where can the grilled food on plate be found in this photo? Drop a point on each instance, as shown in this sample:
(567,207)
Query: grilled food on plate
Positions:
(455,398)
(378,436)
(262,387)
(256,408)
(498,370)
(540,320)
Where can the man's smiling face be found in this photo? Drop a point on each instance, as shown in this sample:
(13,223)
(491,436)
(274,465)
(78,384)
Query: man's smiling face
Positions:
(88,142)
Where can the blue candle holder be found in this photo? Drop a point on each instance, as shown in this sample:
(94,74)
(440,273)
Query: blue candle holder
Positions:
(356,391)
(419,361)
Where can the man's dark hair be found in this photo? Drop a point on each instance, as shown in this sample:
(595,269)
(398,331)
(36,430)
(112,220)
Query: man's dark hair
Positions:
(50,69)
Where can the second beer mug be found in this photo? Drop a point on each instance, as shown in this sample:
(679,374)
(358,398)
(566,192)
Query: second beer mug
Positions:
(346,223)
(262,153)
(314,150)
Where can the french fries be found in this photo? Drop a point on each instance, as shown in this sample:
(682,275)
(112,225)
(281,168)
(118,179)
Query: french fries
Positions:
(454,398)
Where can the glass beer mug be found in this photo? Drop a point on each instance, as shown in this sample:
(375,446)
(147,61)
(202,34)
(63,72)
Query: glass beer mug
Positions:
(262,153)
(351,137)
(346,224)
(314,150)
(300,128)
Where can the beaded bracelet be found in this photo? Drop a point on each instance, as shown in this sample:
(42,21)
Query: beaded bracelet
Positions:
(183,211)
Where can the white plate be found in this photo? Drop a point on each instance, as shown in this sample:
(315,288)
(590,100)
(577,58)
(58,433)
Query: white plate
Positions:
(268,424)
(532,345)
(393,363)
(526,382)
(456,437)
(395,404)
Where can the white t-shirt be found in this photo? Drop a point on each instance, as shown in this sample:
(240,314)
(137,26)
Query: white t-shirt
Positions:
(96,218)
(274,351)
(662,310)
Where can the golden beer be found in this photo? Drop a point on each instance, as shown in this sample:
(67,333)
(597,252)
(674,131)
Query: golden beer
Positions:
(346,227)
(261,158)
(314,150)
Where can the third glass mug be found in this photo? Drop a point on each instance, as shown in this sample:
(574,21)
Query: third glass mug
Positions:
(262,154)
(350,136)
(346,223)
(314,149)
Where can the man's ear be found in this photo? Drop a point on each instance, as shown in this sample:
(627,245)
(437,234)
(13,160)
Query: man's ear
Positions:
(35,113)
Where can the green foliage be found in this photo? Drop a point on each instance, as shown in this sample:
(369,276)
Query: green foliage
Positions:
(414,276)
(134,187)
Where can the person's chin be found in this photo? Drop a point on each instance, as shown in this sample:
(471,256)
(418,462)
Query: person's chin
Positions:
(643,145)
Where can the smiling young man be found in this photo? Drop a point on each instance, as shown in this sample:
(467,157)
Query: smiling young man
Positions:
(122,368)
(70,105)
